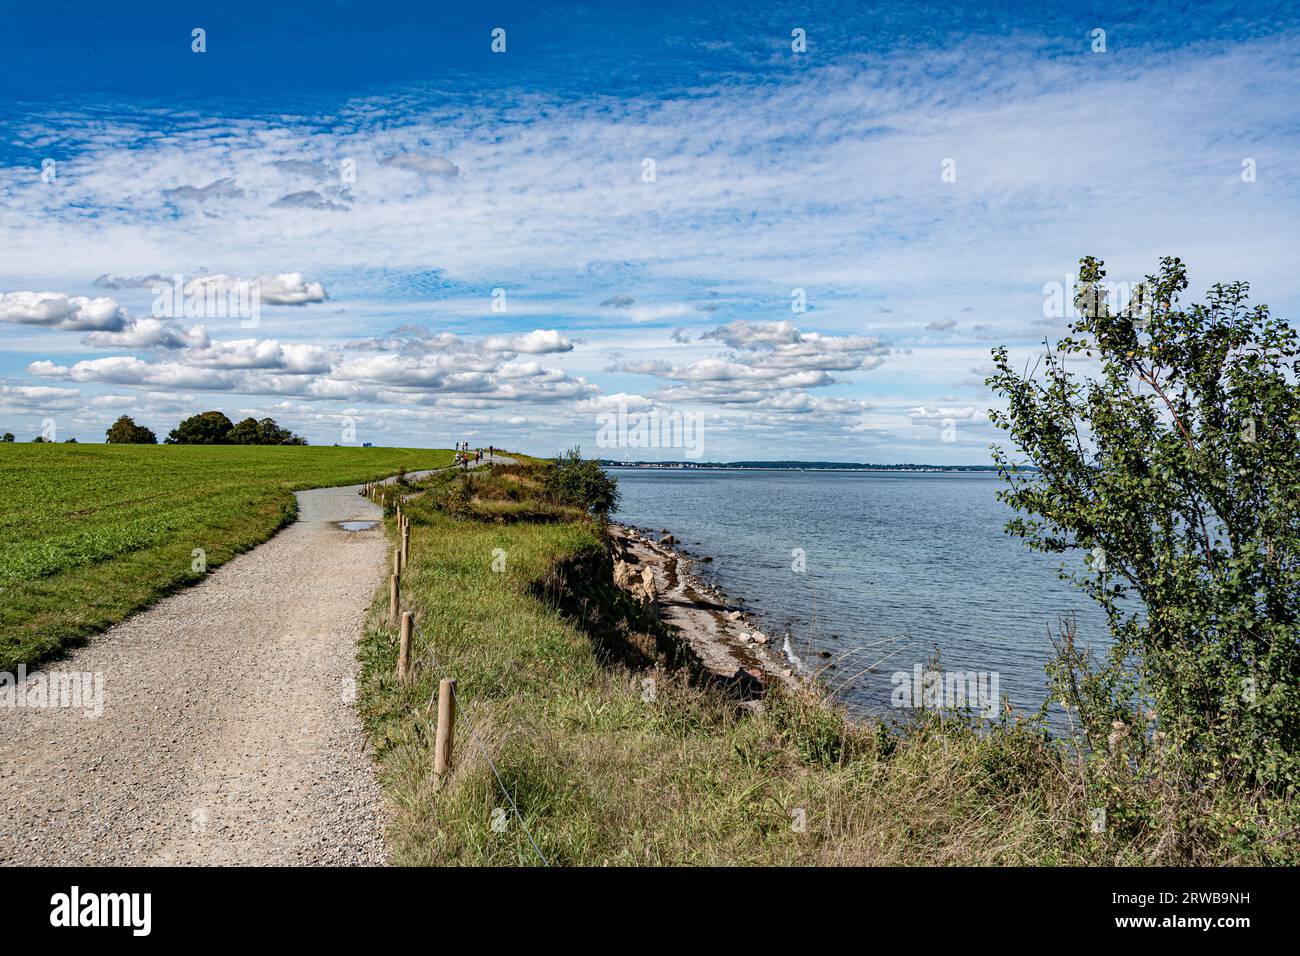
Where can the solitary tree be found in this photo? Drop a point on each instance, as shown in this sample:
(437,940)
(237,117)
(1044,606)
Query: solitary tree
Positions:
(1165,438)
(125,431)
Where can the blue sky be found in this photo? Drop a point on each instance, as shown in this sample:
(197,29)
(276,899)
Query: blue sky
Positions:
(922,173)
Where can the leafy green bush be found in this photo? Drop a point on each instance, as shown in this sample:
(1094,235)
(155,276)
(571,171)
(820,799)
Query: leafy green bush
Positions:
(1175,463)
(581,482)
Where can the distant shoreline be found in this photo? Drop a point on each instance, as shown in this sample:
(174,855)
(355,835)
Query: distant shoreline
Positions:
(805,466)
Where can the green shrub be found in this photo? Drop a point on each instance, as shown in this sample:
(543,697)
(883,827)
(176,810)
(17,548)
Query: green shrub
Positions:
(583,483)
(1176,467)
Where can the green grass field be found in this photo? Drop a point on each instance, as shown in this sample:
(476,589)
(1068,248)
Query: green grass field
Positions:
(90,533)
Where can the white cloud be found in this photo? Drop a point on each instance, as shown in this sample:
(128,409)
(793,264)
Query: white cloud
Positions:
(225,188)
(941,413)
(57,311)
(150,333)
(844,200)
(282,288)
(429,165)
(536,342)
(260,354)
(770,367)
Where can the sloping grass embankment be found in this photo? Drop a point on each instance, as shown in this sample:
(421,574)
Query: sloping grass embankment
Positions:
(611,764)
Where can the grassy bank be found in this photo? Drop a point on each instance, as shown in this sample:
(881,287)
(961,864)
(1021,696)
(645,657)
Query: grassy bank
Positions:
(90,533)
(604,771)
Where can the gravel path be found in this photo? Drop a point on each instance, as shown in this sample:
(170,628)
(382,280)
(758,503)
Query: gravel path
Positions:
(228,734)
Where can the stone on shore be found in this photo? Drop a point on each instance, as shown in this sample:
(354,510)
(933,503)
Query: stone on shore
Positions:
(624,574)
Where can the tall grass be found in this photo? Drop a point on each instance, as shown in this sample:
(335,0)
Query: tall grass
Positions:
(606,768)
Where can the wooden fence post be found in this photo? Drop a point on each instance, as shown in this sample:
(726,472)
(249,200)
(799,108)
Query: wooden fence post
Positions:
(446,728)
(406,545)
(404,649)
(397,561)
(394,598)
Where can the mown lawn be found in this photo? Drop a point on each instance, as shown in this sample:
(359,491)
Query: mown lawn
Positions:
(90,533)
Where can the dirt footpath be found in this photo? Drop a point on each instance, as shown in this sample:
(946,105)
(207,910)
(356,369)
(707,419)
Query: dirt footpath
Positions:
(228,734)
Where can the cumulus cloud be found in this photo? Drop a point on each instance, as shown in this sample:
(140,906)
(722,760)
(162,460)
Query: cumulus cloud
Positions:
(536,342)
(128,370)
(260,354)
(54,310)
(150,333)
(413,367)
(742,334)
(938,414)
(417,340)
(941,325)
(780,347)
(37,398)
(768,370)
(283,288)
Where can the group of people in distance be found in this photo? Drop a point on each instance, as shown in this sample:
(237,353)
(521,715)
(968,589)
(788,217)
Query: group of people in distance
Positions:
(464,456)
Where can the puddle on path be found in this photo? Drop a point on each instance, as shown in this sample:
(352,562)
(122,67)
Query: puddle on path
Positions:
(357,525)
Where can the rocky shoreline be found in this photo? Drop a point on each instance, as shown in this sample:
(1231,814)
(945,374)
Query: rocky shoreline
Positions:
(722,634)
